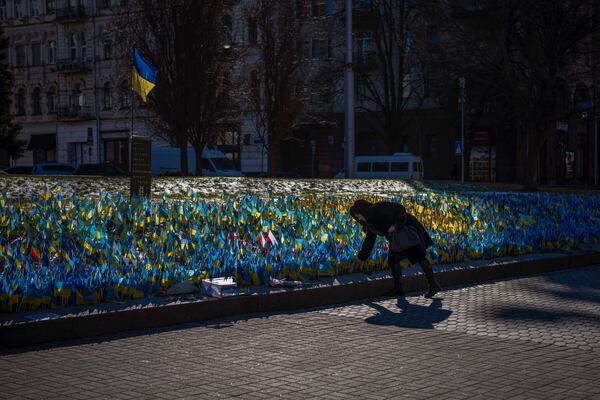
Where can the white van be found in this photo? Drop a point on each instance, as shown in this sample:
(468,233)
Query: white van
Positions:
(398,165)
(165,161)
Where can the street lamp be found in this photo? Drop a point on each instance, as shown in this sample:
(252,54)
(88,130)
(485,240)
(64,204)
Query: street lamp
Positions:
(349,96)
(461,105)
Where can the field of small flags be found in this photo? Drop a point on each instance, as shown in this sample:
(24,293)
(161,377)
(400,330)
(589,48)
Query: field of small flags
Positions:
(59,249)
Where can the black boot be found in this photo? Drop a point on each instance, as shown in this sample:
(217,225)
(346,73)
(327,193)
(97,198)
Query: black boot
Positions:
(397,277)
(434,286)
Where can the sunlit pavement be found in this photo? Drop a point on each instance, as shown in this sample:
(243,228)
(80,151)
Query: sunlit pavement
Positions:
(534,338)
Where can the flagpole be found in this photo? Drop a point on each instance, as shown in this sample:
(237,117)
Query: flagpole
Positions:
(131,133)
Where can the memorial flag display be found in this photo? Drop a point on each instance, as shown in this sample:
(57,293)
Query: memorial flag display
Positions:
(60,250)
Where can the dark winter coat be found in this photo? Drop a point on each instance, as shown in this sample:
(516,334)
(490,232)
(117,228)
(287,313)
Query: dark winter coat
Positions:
(379,218)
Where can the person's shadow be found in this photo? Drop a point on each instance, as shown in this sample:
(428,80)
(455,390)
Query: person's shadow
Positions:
(410,315)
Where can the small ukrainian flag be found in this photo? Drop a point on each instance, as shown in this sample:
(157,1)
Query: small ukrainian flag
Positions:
(143,75)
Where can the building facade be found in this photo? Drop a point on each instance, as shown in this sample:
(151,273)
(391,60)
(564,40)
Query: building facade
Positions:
(72,92)
(72,96)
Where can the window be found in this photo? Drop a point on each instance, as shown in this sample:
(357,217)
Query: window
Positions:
(227,30)
(381,167)
(83,45)
(36,101)
(51,52)
(329,7)
(407,41)
(36,53)
(107,95)
(363,92)
(107,49)
(318,49)
(124,95)
(105,4)
(300,8)
(315,97)
(363,167)
(35,7)
(364,48)
(51,100)
(50,6)
(20,55)
(19,9)
(3,14)
(433,38)
(76,97)
(73,45)
(303,49)
(252,31)
(399,167)
(314,8)
(415,166)
(20,101)
(318,8)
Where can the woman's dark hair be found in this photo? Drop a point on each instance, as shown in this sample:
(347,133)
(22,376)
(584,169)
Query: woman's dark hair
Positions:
(361,207)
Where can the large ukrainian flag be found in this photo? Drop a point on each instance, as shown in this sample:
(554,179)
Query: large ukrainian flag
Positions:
(143,76)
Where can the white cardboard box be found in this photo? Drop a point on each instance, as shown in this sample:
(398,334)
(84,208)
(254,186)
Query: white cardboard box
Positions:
(219,287)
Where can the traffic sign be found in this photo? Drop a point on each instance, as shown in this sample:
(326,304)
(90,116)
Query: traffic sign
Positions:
(458,147)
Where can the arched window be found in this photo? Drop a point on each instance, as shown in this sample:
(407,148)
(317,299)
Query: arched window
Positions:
(20,101)
(124,93)
(51,100)
(50,6)
(107,95)
(36,102)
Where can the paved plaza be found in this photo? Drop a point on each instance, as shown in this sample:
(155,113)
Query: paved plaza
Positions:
(528,338)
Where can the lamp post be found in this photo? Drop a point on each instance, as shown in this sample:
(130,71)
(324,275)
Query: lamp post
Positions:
(349,96)
(461,105)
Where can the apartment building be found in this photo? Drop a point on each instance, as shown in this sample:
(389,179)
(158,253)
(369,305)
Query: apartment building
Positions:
(71,90)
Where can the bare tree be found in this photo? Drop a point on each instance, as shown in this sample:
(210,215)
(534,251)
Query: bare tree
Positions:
(393,63)
(275,92)
(8,129)
(525,53)
(185,40)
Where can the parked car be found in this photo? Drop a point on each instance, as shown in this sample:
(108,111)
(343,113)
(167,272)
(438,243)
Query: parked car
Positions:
(52,168)
(100,169)
(19,170)
(165,161)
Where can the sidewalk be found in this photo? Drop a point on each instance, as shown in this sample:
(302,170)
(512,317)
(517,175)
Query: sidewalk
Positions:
(23,329)
(528,338)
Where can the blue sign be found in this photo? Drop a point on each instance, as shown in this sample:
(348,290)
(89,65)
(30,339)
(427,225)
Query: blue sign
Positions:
(458,148)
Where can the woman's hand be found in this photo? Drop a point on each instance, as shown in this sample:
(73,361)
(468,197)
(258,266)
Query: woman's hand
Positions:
(392,229)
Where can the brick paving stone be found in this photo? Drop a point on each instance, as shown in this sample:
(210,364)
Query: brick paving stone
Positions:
(534,338)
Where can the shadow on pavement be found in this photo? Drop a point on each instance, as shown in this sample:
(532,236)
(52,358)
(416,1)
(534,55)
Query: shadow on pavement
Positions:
(410,315)
(537,314)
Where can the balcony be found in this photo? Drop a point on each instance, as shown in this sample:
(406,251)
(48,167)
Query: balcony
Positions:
(74,113)
(73,66)
(71,14)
